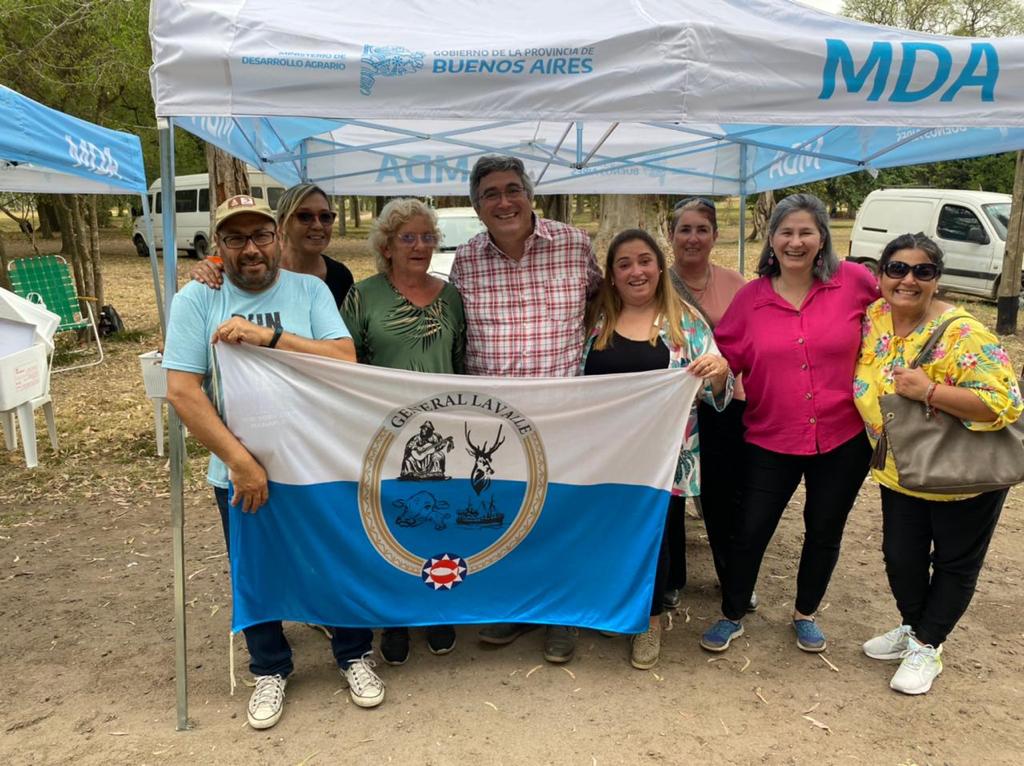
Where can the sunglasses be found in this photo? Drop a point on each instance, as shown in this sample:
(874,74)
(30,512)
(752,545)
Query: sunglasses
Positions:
(923,272)
(306,218)
(702,200)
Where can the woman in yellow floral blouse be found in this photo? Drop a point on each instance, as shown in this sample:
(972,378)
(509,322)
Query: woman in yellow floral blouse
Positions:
(934,545)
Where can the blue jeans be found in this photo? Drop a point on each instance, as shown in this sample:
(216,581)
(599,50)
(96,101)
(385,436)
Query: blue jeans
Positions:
(269,652)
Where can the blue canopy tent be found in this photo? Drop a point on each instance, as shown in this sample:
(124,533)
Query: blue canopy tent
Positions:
(653,96)
(44,150)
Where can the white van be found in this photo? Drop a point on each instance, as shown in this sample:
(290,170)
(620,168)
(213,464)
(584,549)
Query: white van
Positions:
(969,226)
(457,225)
(192,206)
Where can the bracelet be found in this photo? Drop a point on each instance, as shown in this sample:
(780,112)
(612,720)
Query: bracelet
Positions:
(278,332)
(929,393)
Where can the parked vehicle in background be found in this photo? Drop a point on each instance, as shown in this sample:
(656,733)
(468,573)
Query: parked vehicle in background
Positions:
(192,211)
(458,225)
(969,226)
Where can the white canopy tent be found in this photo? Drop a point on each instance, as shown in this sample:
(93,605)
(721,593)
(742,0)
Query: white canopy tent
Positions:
(651,96)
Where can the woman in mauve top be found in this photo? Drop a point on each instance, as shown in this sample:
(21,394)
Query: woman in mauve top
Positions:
(794,335)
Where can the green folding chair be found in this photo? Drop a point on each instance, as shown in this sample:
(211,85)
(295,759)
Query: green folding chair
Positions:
(47,280)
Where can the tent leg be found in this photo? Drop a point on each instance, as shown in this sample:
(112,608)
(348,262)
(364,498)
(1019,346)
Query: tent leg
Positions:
(177,449)
(743,209)
(175,437)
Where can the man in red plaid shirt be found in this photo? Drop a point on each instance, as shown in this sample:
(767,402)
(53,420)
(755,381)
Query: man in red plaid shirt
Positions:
(525,284)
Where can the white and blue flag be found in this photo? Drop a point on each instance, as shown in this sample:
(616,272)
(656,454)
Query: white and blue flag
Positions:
(401,498)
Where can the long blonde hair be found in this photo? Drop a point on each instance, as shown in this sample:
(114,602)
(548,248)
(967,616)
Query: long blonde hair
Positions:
(607,305)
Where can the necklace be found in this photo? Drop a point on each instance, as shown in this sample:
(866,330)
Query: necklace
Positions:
(794,297)
(913,326)
(694,288)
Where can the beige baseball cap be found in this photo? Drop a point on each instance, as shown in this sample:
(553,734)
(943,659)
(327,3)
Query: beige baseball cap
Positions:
(241,203)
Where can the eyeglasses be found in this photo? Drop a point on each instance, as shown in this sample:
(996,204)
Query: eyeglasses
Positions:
(237,241)
(410,239)
(326,218)
(924,272)
(510,193)
(701,200)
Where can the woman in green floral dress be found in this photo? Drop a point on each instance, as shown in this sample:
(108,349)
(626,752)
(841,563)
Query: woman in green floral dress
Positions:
(407,319)
(403,317)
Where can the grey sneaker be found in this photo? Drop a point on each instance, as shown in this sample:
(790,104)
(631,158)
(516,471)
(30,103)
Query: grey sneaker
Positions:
(889,646)
(921,665)
(646,648)
(365,687)
(560,643)
(267,701)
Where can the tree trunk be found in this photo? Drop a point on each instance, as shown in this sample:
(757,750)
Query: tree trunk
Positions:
(60,210)
(48,221)
(5,280)
(378,205)
(761,214)
(631,211)
(228,177)
(578,205)
(339,204)
(357,219)
(82,246)
(1008,302)
(555,207)
(94,252)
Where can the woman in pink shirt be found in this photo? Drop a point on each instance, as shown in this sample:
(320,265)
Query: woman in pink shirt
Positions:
(794,335)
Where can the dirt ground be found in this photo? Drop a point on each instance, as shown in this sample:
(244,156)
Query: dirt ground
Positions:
(88,641)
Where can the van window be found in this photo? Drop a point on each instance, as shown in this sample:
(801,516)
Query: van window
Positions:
(274,196)
(256,191)
(955,222)
(185,201)
(999,215)
(896,216)
(204,200)
(156,207)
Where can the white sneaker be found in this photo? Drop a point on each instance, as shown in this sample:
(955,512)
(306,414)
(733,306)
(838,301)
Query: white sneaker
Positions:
(267,701)
(890,646)
(921,664)
(365,687)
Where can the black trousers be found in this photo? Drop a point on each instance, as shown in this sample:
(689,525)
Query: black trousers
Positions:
(933,553)
(721,450)
(832,481)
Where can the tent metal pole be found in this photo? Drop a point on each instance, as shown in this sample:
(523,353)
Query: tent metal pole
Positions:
(743,208)
(175,432)
(154,267)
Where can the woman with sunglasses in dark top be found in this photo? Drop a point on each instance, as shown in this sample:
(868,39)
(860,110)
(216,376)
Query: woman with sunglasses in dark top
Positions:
(305,221)
(933,545)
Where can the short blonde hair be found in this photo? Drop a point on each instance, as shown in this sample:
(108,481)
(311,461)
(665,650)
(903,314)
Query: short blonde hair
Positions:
(394,216)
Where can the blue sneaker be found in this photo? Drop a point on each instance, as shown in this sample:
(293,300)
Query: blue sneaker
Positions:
(718,637)
(809,636)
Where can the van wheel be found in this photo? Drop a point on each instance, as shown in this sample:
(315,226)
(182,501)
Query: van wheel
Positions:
(871,265)
(140,246)
(202,248)
(995,289)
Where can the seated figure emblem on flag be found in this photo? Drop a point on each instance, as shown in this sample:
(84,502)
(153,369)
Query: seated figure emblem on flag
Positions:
(451,485)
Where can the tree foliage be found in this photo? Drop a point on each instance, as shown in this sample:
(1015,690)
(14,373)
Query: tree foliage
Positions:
(973,18)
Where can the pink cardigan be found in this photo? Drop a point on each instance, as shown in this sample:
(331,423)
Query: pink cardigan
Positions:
(797,365)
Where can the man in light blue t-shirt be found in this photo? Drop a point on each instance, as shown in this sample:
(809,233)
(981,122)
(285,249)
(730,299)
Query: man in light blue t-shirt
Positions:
(265,306)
